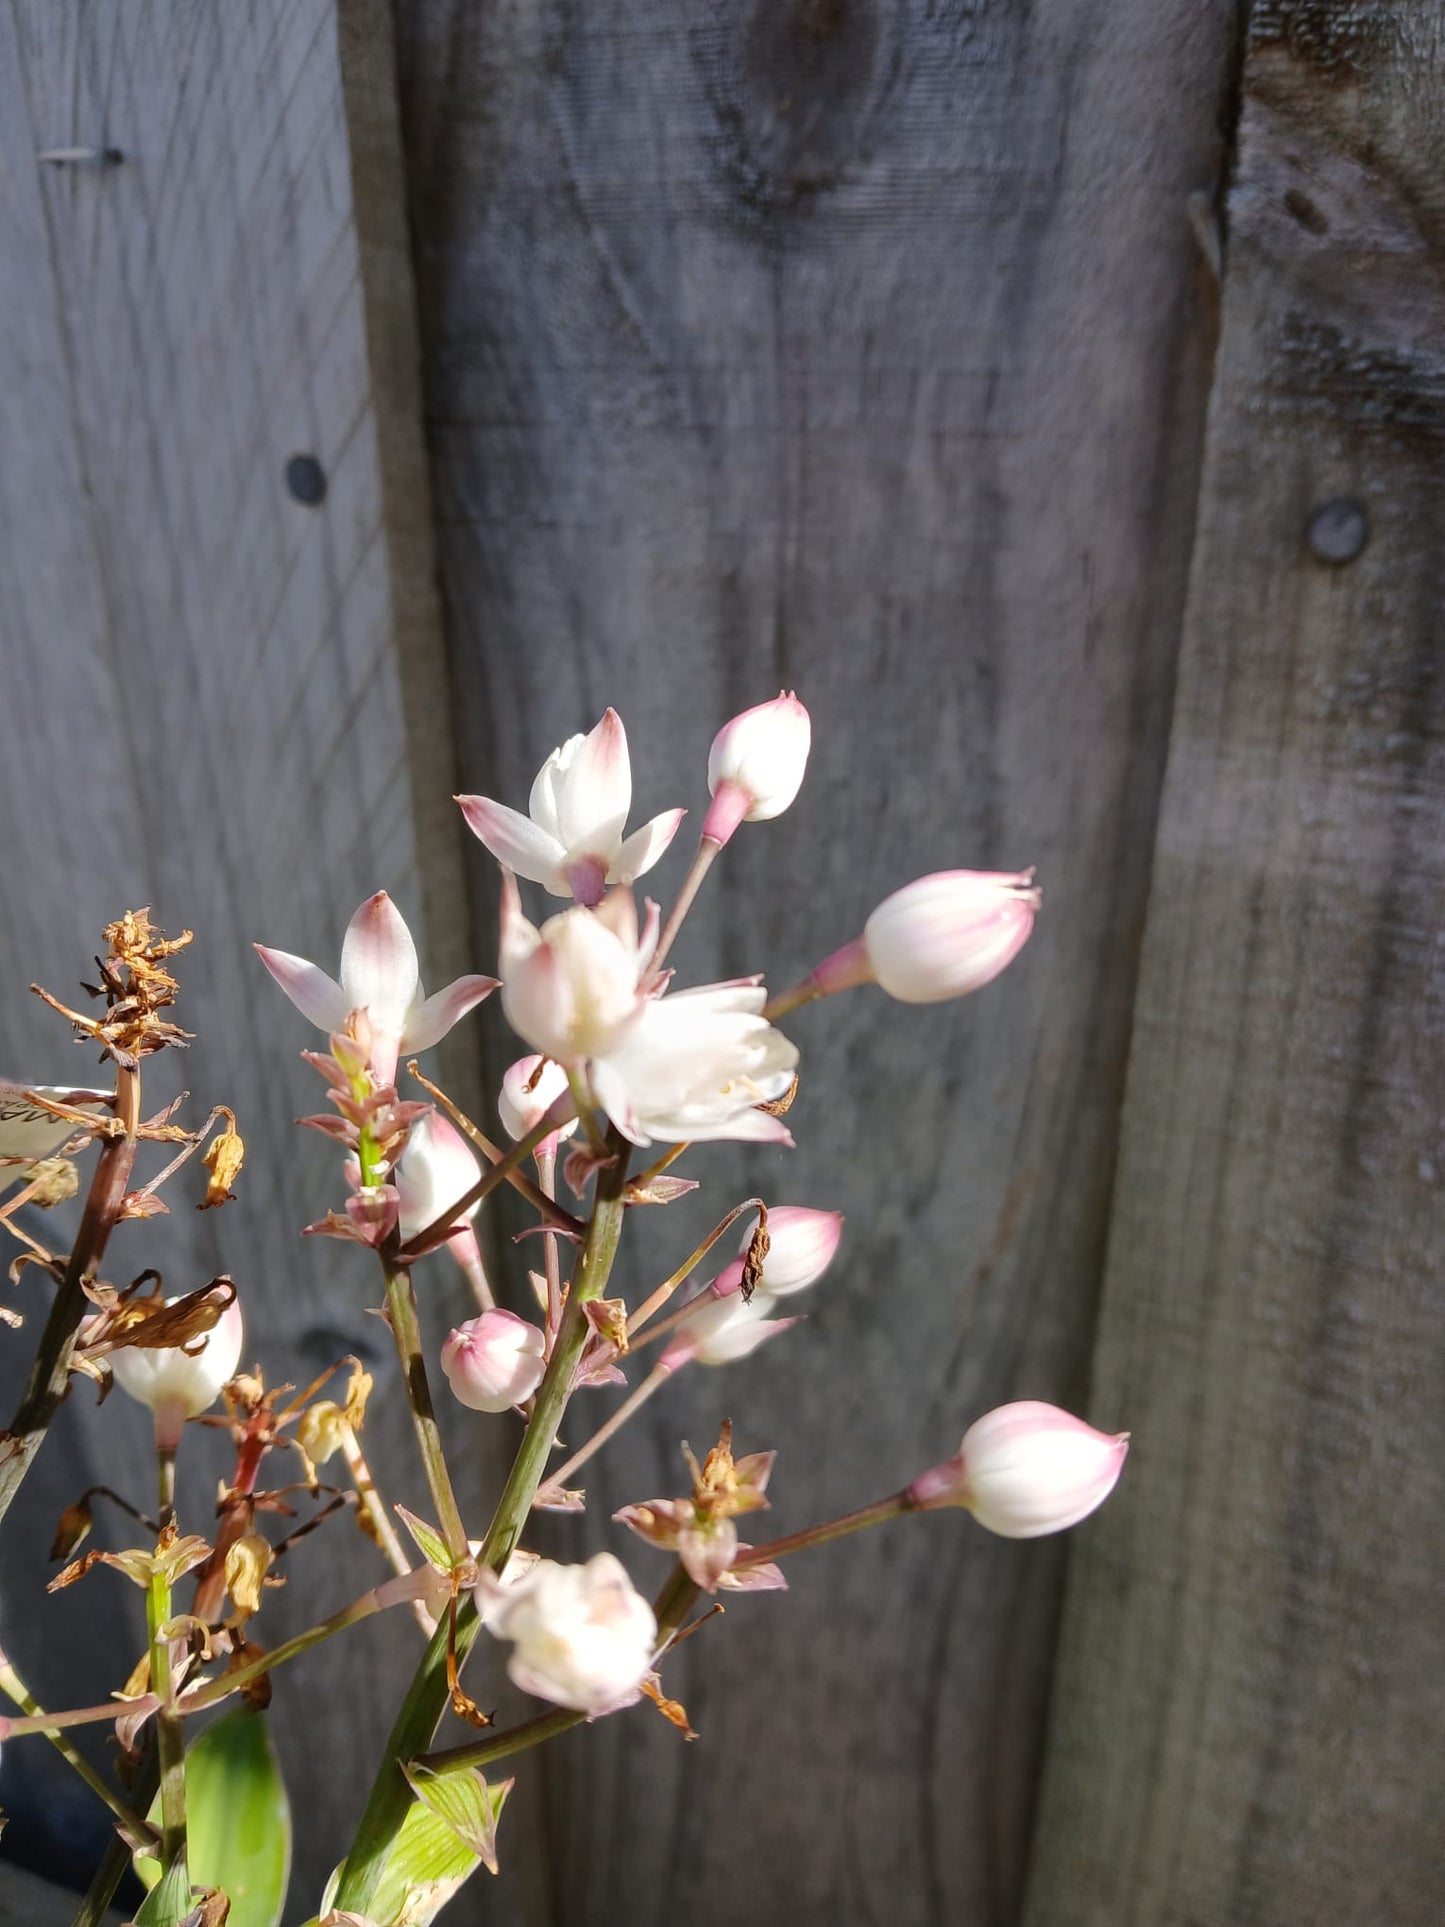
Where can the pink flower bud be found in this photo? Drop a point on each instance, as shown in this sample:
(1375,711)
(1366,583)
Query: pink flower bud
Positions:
(495,1361)
(1027,1469)
(526,1098)
(175,1384)
(582,1636)
(718,1329)
(755,766)
(803,1244)
(948,933)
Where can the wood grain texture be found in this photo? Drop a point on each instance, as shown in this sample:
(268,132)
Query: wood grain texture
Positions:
(1246,1724)
(860,348)
(205,708)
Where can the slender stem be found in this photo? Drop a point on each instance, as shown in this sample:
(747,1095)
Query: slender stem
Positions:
(111,1871)
(633,1403)
(546,1155)
(14,1688)
(537,1196)
(707,849)
(170,1740)
(439,1230)
(49,1375)
(876,1514)
(166,1482)
(651,1306)
(806,992)
(391,1797)
(406,1330)
(588,1283)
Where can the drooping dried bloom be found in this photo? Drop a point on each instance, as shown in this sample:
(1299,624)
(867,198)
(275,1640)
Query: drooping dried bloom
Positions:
(582,1636)
(380,975)
(494,1362)
(756,764)
(571,840)
(1027,1469)
(177,1384)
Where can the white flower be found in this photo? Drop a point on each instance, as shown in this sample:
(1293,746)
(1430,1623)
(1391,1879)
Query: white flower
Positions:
(530,1088)
(949,933)
(695,1065)
(175,1384)
(583,1636)
(571,988)
(571,840)
(494,1362)
(721,1327)
(756,764)
(1027,1469)
(436,1170)
(379,975)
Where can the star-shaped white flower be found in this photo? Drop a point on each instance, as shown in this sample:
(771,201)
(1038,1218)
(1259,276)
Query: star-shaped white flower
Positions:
(571,840)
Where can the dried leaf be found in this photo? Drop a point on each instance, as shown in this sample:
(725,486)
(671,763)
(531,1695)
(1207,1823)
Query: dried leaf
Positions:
(673,1711)
(223,1158)
(75,1523)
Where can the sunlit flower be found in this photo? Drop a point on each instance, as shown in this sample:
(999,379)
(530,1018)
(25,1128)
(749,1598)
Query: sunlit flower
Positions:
(435,1171)
(695,1066)
(718,1328)
(582,1636)
(530,1088)
(494,1362)
(571,988)
(802,1244)
(1027,1469)
(379,975)
(571,839)
(756,764)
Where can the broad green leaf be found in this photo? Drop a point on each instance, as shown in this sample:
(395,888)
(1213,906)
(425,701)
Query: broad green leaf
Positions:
(167,1902)
(430,1543)
(431,1859)
(238,1820)
(461,1797)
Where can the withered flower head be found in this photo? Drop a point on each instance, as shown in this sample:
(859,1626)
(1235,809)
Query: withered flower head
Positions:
(136,987)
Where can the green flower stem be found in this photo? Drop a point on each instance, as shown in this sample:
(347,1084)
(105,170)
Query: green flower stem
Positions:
(14,1688)
(111,1871)
(170,1740)
(426,1700)
(406,1330)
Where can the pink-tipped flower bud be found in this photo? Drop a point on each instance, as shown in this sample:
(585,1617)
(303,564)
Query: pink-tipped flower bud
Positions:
(948,933)
(178,1384)
(1027,1469)
(802,1245)
(755,766)
(526,1097)
(495,1361)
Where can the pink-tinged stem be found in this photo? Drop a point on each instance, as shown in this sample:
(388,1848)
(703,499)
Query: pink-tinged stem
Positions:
(652,1305)
(551,1212)
(632,1404)
(439,1230)
(876,1514)
(844,970)
(406,1330)
(14,1689)
(707,850)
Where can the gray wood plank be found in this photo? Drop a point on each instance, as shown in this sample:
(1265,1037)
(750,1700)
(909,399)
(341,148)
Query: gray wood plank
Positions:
(1246,1725)
(210,702)
(861,349)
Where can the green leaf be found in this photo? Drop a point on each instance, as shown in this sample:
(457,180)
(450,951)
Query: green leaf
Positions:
(430,1543)
(238,1821)
(438,1848)
(167,1902)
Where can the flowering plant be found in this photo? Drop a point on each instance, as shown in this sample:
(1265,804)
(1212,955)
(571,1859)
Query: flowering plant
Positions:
(624,1071)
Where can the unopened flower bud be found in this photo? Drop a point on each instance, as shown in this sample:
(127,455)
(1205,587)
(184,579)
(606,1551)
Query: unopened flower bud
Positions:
(756,764)
(1027,1469)
(801,1246)
(718,1329)
(949,933)
(495,1361)
(177,1384)
(529,1090)
(583,1636)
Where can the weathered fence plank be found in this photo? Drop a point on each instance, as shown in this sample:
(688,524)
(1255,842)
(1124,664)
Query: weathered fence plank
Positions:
(1247,1718)
(856,348)
(204,690)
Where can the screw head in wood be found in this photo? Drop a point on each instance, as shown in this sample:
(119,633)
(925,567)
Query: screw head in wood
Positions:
(306,479)
(1337,530)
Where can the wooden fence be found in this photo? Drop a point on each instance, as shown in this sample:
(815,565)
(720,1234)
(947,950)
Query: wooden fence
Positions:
(1055,396)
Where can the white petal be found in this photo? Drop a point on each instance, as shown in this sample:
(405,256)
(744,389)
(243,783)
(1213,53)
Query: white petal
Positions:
(643,848)
(429,1022)
(517,842)
(319,998)
(594,792)
(378,964)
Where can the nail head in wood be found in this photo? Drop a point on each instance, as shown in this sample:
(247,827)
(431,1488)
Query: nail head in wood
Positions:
(306,479)
(1338,530)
